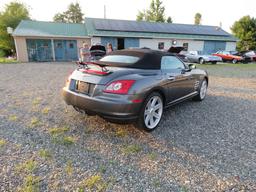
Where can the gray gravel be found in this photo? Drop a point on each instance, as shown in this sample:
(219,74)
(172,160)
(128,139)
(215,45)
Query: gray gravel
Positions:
(199,146)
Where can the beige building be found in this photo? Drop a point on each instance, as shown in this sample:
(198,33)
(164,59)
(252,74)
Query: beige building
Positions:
(51,41)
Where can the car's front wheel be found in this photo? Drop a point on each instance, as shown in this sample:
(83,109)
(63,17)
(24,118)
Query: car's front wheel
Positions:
(201,61)
(202,91)
(234,61)
(151,112)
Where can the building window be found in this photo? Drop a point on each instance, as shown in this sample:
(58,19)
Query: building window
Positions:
(185,46)
(71,45)
(161,45)
(59,45)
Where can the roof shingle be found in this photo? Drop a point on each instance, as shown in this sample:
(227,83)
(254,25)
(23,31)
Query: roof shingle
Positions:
(48,29)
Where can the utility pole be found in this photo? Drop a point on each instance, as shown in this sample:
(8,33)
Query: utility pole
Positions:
(105,12)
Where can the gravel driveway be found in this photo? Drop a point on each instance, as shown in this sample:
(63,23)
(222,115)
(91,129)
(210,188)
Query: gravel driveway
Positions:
(200,146)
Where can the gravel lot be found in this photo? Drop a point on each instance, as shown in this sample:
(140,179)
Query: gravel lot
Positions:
(199,146)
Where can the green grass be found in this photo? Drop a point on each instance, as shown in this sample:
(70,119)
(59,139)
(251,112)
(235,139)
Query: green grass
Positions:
(238,65)
(27,166)
(152,156)
(30,184)
(4,60)
(230,70)
(34,122)
(68,140)
(120,132)
(45,110)
(12,118)
(131,149)
(43,153)
(95,182)
(58,131)
(36,101)
(2,142)
(69,168)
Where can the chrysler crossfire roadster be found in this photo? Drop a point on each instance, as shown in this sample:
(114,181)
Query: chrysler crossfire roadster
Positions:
(134,85)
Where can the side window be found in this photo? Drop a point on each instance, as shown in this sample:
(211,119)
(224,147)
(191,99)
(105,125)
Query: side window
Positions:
(161,45)
(185,46)
(170,62)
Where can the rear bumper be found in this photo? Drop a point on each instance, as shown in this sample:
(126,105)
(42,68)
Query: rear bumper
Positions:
(117,108)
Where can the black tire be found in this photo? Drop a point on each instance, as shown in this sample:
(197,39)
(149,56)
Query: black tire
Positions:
(141,122)
(199,97)
(201,60)
(234,61)
(214,62)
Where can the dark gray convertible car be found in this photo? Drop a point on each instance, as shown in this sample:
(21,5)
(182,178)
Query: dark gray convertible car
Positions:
(134,85)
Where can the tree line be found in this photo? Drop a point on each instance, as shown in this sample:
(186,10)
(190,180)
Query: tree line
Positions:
(244,29)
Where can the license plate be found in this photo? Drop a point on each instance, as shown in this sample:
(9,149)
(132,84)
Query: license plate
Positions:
(83,87)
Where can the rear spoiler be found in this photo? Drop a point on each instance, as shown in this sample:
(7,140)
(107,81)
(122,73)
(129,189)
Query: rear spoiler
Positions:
(83,67)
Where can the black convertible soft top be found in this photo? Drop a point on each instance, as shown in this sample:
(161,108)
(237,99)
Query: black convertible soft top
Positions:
(148,59)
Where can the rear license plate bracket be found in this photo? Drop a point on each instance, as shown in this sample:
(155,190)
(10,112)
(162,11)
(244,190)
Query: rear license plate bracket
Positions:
(83,87)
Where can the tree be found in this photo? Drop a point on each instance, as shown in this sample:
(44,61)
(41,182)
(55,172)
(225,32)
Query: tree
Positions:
(72,15)
(245,30)
(198,19)
(11,16)
(155,13)
(59,17)
(169,20)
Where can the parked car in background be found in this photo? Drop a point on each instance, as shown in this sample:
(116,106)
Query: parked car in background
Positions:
(97,51)
(249,55)
(230,56)
(134,85)
(198,57)
(178,51)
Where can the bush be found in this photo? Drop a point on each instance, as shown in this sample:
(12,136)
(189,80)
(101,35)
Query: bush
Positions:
(2,53)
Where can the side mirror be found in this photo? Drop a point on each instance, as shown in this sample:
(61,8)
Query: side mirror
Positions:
(191,66)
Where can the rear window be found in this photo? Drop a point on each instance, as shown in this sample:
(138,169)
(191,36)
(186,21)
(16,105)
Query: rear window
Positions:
(120,59)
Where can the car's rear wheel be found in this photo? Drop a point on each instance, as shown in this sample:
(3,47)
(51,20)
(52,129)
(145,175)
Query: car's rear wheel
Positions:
(151,112)
(202,91)
(201,61)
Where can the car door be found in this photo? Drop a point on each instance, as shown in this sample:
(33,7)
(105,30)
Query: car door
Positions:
(178,81)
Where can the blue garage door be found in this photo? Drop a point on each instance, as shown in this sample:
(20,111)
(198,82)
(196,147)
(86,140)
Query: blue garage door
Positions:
(112,40)
(39,49)
(213,46)
(131,42)
(65,50)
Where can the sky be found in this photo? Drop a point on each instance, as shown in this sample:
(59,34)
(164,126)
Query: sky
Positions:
(214,12)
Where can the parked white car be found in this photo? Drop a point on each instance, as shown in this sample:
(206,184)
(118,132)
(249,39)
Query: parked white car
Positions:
(198,57)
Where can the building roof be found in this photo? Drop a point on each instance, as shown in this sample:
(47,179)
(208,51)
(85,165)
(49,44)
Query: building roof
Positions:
(49,29)
(143,29)
(96,27)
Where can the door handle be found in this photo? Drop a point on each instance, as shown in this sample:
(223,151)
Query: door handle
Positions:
(171,78)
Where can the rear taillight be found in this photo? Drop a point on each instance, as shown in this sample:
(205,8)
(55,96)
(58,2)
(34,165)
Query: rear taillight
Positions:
(119,87)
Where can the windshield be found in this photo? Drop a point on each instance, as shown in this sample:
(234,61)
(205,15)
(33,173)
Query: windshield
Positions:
(120,59)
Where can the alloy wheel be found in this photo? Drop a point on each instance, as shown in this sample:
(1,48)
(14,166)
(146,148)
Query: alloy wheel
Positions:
(203,89)
(153,112)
